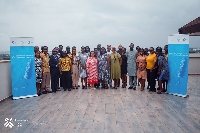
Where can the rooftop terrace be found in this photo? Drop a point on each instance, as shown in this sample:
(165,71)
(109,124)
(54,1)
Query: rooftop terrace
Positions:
(100,110)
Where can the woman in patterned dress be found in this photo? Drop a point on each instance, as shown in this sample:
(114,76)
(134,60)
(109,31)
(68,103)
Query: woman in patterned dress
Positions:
(92,69)
(38,71)
(163,69)
(141,71)
(103,68)
(82,58)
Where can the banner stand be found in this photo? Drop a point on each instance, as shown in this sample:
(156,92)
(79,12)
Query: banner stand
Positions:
(178,59)
(179,95)
(22,67)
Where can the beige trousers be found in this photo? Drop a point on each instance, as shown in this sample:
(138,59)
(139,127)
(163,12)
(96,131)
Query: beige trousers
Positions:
(46,82)
(75,76)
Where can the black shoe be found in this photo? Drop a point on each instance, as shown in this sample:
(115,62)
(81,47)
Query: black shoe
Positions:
(58,89)
(44,92)
(49,91)
(134,88)
(65,89)
(69,89)
(78,85)
(39,94)
(159,93)
(118,85)
(130,87)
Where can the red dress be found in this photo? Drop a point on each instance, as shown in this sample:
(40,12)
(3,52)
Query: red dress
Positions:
(91,65)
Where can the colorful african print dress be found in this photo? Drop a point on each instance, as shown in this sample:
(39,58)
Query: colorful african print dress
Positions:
(103,73)
(164,75)
(38,70)
(92,66)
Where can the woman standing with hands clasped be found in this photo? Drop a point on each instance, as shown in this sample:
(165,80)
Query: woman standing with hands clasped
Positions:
(82,58)
(38,71)
(124,68)
(103,65)
(92,69)
(65,71)
(151,69)
(75,76)
(141,71)
(116,62)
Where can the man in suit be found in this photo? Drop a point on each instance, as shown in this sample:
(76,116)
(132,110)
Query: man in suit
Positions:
(54,69)
(131,66)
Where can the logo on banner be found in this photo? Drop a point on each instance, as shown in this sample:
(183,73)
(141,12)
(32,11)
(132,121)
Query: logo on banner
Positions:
(22,42)
(13,42)
(184,39)
(178,40)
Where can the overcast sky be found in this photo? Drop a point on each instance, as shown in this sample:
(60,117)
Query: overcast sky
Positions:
(89,22)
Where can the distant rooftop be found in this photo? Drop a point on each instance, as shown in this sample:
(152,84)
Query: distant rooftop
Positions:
(192,28)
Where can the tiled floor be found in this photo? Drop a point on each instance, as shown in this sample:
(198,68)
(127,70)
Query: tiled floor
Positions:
(100,110)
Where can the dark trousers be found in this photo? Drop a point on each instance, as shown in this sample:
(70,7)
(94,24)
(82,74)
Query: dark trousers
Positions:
(151,79)
(54,80)
(66,79)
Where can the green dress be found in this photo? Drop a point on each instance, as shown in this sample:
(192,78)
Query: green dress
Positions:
(115,66)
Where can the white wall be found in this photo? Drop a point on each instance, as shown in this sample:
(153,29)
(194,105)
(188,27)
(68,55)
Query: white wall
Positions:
(194,64)
(5,80)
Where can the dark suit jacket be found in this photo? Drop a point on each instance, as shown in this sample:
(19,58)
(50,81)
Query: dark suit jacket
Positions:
(52,64)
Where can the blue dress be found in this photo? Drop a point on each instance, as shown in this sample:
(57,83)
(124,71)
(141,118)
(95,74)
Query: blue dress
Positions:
(164,75)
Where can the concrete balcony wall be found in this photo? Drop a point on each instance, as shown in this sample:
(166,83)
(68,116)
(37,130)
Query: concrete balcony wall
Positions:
(6,84)
(194,63)
(5,79)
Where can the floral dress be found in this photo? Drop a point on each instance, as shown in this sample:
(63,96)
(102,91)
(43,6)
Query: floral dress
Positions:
(103,73)
(82,58)
(38,70)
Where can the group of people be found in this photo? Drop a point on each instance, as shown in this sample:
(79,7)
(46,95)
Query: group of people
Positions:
(100,67)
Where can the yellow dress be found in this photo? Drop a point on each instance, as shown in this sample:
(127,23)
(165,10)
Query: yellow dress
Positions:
(115,66)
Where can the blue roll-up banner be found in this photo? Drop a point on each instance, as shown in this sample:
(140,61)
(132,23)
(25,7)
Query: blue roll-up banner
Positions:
(22,67)
(178,59)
